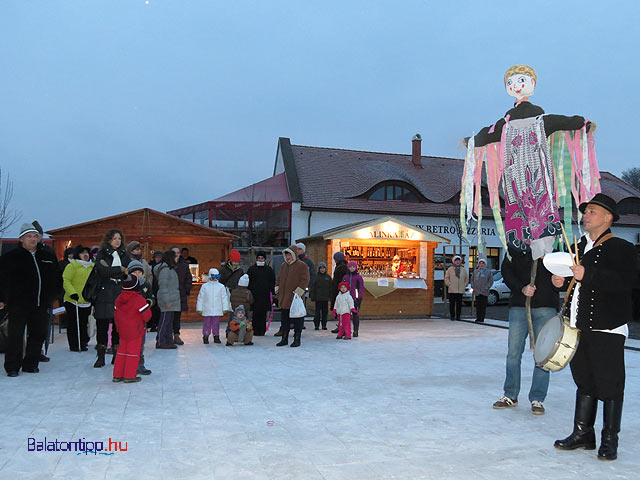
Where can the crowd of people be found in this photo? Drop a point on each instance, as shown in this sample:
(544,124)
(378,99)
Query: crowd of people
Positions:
(129,296)
(106,282)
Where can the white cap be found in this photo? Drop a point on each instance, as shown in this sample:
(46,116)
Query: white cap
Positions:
(213,271)
(482,260)
(457,257)
(301,246)
(244,281)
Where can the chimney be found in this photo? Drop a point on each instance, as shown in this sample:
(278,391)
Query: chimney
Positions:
(416,150)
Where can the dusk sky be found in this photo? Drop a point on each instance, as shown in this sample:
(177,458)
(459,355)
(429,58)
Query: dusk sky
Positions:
(113,105)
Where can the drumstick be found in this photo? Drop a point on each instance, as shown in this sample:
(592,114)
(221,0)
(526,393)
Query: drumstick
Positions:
(575,247)
(566,239)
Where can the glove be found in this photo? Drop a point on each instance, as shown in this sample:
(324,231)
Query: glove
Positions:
(104,263)
(74,296)
(276,289)
(354,311)
(299,291)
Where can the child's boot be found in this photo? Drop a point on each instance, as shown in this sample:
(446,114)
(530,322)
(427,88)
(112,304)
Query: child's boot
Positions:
(205,339)
(216,339)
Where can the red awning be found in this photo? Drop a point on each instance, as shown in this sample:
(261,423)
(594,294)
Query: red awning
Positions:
(273,189)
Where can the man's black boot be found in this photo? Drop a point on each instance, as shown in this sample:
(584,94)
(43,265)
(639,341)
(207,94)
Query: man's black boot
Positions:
(610,428)
(583,435)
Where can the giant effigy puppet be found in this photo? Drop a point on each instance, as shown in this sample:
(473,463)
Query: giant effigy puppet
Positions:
(541,161)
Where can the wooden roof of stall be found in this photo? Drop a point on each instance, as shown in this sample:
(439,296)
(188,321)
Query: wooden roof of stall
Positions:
(145,223)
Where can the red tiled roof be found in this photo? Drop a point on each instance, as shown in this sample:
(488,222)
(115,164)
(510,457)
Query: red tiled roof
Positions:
(330,178)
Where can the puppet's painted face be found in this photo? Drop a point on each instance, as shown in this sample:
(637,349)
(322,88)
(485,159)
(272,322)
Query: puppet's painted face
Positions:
(520,85)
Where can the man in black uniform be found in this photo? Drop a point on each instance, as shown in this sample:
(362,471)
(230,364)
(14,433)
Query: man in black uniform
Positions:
(600,306)
(30,279)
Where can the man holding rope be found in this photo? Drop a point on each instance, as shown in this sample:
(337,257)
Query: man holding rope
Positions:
(600,306)
(544,300)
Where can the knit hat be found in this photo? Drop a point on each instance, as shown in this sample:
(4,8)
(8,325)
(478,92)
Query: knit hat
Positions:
(214,274)
(352,263)
(135,265)
(345,284)
(301,246)
(243,281)
(27,228)
(158,253)
(338,257)
(132,245)
(237,309)
(482,260)
(234,256)
(457,257)
(130,282)
(261,253)
(322,264)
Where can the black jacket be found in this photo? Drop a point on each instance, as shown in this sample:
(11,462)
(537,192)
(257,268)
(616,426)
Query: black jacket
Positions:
(110,278)
(610,272)
(517,274)
(340,271)
(20,284)
(229,278)
(552,123)
(310,266)
(262,281)
(321,288)
(185,282)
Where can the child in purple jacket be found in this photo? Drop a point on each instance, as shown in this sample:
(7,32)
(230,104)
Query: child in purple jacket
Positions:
(356,288)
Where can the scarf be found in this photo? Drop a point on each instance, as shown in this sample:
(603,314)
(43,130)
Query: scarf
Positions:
(458,271)
(116,259)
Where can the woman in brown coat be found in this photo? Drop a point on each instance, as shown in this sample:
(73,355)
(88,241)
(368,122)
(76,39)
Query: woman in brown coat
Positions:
(293,278)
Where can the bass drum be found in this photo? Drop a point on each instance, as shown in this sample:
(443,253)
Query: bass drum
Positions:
(556,344)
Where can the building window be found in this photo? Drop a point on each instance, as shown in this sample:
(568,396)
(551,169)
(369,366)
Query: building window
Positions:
(492,254)
(389,191)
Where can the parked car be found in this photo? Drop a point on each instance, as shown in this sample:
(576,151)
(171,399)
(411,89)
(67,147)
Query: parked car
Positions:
(499,291)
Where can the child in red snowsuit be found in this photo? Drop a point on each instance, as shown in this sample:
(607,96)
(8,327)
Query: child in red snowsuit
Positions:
(131,313)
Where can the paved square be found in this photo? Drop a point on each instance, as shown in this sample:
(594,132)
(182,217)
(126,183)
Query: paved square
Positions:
(406,400)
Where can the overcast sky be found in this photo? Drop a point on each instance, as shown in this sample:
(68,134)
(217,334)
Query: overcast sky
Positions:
(112,105)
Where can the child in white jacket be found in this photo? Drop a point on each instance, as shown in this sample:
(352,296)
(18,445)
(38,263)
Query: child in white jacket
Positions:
(342,309)
(213,302)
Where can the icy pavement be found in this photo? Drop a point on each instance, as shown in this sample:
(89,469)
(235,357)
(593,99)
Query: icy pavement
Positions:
(406,400)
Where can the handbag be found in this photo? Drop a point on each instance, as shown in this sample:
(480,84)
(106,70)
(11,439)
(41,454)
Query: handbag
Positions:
(297,309)
(91,287)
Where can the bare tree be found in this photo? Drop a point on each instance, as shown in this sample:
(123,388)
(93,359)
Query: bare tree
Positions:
(632,177)
(8,216)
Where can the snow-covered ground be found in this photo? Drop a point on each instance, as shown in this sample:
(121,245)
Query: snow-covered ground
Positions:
(408,400)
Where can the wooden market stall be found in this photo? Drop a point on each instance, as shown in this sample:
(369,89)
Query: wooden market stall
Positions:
(395,259)
(155,231)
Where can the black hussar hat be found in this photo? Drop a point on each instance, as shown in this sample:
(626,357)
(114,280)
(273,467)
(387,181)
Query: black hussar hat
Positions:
(603,201)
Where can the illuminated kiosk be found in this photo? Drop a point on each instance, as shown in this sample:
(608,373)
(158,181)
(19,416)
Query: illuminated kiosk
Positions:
(395,259)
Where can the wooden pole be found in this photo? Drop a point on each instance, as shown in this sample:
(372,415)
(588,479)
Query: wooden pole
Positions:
(534,271)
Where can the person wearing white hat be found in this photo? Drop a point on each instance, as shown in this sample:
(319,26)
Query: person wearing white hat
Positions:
(30,280)
(213,303)
(481,282)
(456,279)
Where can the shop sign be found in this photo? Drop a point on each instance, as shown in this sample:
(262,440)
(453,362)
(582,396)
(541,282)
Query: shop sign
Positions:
(401,234)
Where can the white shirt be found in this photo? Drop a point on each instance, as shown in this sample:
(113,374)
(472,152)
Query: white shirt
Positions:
(621,330)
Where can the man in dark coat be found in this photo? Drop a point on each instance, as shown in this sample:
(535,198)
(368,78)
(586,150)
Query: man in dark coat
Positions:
(340,271)
(262,281)
(185,282)
(600,306)
(30,279)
